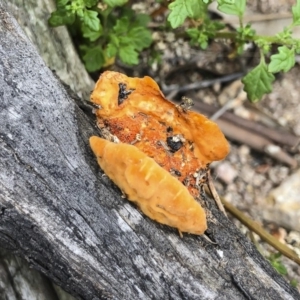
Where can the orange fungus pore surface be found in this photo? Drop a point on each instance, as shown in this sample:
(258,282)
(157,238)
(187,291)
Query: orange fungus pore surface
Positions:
(158,194)
(182,142)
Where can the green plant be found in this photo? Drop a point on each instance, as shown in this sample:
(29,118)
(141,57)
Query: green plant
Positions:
(277,264)
(259,80)
(110,29)
(275,261)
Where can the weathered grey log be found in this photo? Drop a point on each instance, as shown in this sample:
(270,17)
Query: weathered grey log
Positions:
(53,44)
(56,48)
(70,222)
(18,281)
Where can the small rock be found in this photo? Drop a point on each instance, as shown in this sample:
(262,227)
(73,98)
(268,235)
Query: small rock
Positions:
(284,203)
(243,153)
(247,173)
(226,172)
(293,239)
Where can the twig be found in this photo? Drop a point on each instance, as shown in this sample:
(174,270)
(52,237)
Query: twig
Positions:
(214,193)
(256,142)
(198,85)
(252,225)
(281,137)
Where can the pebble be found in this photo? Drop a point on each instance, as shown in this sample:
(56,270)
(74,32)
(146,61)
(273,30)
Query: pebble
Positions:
(226,172)
(284,203)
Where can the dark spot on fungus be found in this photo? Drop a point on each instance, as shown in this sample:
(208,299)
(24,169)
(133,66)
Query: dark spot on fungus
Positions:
(175,172)
(174,144)
(123,94)
(169,129)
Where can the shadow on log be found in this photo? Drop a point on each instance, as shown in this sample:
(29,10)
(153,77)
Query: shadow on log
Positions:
(70,222)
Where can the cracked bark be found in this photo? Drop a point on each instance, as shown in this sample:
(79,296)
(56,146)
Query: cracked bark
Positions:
(70,223)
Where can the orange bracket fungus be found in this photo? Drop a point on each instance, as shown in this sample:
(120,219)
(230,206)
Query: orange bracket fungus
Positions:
(158,194)
(182,142)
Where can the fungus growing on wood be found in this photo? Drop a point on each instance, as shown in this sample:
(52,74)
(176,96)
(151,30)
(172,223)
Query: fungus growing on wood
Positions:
(157,193)
(131,107)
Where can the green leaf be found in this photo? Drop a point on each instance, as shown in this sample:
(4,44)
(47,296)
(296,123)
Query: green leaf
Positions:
(125,40)
(275,261)
(114,3)
(181,9)
(77,6)
(90,3)
(297,46)
(61,17)
(90,34)
(258,82)
(61,3)
(142,20)
(111,50)
(286,34)
(245,32)
(279,267)
(140,37)
(196,9)
(90,18)
(296,13)
(179,12)
(93,59)
(294,283)
(232,7)
(121,26)
(283,61)
(114,40)
(199,38)
(203,41)
(193,33)
(128,55)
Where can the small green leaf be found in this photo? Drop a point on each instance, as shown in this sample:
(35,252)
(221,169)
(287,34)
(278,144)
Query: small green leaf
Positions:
(297,46)
(111,50)
(93,59)
(203,41)
(279,267)
(196,9)
(90,34)
(178,13)
(282,61)
(90,3)
(245,32)
(114,3)
(121,26)
(286,34)
(199,38)
(296,13)
(181,9)
(142,20)
(258,82)
(232,7)
(125,40)
(61,17)
(128,55)
(294,283)
(90,18)
(114,40)
(193,33)
(140,37)
(77,6)
(61,3)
